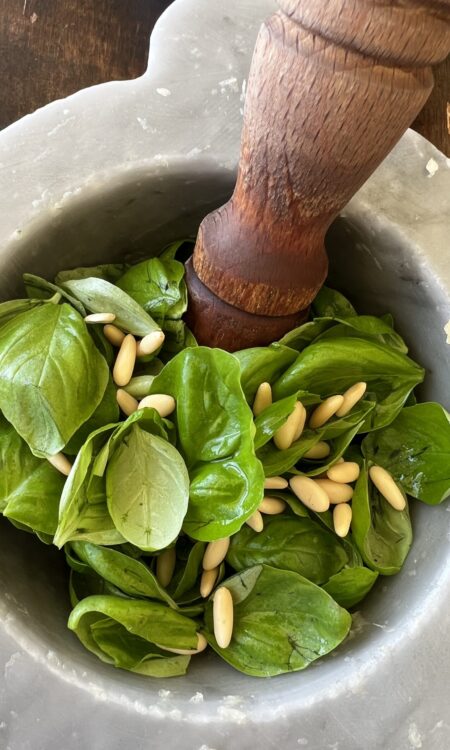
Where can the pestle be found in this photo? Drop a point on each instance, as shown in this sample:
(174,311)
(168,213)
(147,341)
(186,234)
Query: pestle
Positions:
(332,88)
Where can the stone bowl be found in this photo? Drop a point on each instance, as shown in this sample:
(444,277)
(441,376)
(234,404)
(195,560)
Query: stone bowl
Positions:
(123,168)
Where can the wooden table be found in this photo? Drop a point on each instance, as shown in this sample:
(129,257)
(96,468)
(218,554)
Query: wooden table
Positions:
(51,48)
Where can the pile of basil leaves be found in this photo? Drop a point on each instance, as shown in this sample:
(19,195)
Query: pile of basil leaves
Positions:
(144,484)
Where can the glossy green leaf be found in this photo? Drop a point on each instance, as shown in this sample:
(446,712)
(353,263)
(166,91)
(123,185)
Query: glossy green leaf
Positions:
(302,336)
(107,412)
(289,543)
(99,296)
(37,287)
(415,449)
(190,573)
(332,304)
(263,364)
(158,286)
(383,535)
(13,307)
(215,437)
(51,386)
(331,366)
(350,586)
(274,416)
(363,326)
(147,487)
(282,622)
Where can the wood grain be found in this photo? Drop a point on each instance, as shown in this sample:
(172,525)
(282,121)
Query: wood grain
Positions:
(52,48)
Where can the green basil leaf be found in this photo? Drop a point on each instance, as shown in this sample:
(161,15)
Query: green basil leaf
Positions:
(190,574)
(350,586)
(51,386)
(272,418)
(42,289)
(139,386)
(178,337)
(290,543)
(158,286)
(108,271)
(147,488)
(282,622)
(364,326)
(383,535)
(263,364)
(332,304)
(13,307)
(215,437)
(302,336)
(106,412)
(99,296)
(30,487)
(415,449)
(331,366)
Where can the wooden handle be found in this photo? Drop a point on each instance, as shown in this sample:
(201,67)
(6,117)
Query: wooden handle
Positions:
(332,88)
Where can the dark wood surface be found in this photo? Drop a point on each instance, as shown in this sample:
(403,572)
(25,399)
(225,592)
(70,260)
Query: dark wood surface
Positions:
(51,48)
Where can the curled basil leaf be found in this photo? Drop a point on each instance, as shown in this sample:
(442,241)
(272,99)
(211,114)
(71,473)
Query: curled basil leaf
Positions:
(332,304)
(158,286)
(263,364)
(350,585)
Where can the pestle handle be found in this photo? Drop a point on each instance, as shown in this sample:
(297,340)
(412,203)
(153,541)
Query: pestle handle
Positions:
(332,88)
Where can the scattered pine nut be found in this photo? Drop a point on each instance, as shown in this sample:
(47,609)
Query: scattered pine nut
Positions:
(127,403)
(215,553)
(310,493)
(301,426)
(99,318)
(319,450)
(387,487)
(263,398)
(114,335)
(150,343)
(275,483)
(125,361)
(223,616)
(325,411)
(165,565)
(342,518)
(207,581)
(256,521)
(344,471)
(336,491)
(60,462)
(272,506)
(351,397)
(163,404)
(201,645)
(284,436)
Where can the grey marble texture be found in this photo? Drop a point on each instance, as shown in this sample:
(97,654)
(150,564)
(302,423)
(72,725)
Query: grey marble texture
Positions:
(125,167)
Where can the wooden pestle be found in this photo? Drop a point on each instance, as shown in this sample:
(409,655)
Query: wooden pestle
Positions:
(332,87)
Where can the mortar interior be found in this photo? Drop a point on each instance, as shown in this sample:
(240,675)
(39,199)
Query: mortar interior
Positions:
(134,214)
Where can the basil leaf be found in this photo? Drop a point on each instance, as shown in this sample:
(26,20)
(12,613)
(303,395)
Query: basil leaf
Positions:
(263,364)
(11,308)
(289,543)
(364,326)
(130,576)
(350,585)
(30,487)
(147,488)
(99,296)
(415,449)
(106,412)
(190,574)
(332,304)
(272,418)
(50,387)
(158,286)
(178,337)
(282,622)
(331,366)
(41,288)
(383,535)
(108,271)
(302,336)
(215,437)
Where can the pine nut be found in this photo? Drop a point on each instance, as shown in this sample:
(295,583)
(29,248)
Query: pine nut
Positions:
(387,487)
(99,318)
(150,343)
(207,581)
(319,450)
(125,361)
(272,506)
(344,471)
(201,645)
(301,426)
(275,483)
(165,566)
(256,521)
(60,462)
(215,553)
(263,398)
(336,491)
(284,436)
(325,411)
(127,403)
(351,397)
(223,616)
(342,518)
(310,493)
(114,335)
(163,404)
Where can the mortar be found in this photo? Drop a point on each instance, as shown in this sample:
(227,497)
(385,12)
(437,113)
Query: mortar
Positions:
(127,167)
